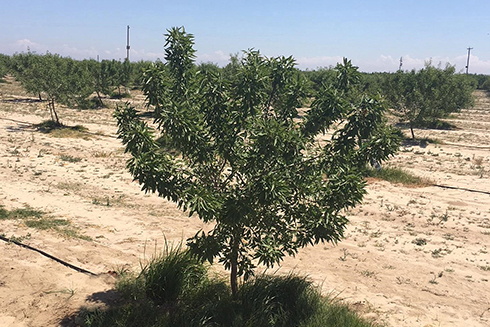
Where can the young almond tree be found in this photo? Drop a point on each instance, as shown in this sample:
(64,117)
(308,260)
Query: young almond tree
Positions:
(245,159)
(423,97)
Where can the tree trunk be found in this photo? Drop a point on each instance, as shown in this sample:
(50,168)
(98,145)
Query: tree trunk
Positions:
(234,267)
(100,99)
(411,130)
(57,121)
(40,98)
(234,277)
(50,111)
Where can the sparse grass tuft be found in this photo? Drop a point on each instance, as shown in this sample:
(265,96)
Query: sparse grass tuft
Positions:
(20,213)
(397,175)
(68,158)
(37,219)
(102,154)
(420,241)
(46,223)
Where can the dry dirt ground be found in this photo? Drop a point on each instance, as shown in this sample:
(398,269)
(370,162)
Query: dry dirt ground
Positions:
(411,256)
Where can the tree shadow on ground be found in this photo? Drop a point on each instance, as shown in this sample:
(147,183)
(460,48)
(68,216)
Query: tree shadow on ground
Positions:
(99,299)
(22,100)
(436,124)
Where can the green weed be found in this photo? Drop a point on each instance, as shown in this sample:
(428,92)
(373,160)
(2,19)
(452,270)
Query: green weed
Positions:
(69,158)
(20,213)
(397,175)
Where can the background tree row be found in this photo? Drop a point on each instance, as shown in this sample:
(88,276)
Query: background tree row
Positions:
(419,97)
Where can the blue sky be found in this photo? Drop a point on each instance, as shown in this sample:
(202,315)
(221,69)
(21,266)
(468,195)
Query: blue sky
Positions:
(374,34)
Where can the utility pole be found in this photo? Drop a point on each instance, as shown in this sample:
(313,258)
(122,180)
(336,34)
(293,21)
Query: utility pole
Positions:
(401,63)
(127,46)
(468,60)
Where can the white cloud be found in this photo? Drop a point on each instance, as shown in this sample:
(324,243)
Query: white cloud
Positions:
(142,54)
(218,57)
(383,62)
(76,53)
(25,45)
(390,64)
(316,62)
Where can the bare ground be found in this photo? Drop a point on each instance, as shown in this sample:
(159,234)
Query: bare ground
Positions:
(411,256)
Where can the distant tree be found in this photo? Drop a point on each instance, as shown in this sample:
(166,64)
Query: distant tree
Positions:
(246,160)
(59,79)
(485,83)
(75,85)
(230,70)
(104,77)
(124,74)
(137,73)
(4,65)
(423,97)
(26,69)
(209,67)
(321,77)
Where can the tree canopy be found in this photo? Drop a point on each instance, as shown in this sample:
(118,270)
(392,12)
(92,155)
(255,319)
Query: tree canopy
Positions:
(246,158)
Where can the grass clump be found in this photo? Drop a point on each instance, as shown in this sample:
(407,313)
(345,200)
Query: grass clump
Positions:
(397,175)
(176,289)
(270,300)
(59,130)
(172,275)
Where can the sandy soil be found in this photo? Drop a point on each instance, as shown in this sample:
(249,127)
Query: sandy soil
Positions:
(411,256)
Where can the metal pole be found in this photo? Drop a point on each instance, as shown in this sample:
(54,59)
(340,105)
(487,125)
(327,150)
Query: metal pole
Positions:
(127,46)
(468,60)
(401,63)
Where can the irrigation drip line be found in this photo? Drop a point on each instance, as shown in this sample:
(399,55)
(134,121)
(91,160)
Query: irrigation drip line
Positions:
(461,188)
(17,121)
(478,147)
(64,263)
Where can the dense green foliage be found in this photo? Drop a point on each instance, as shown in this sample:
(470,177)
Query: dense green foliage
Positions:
(182,298)
(244,159)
